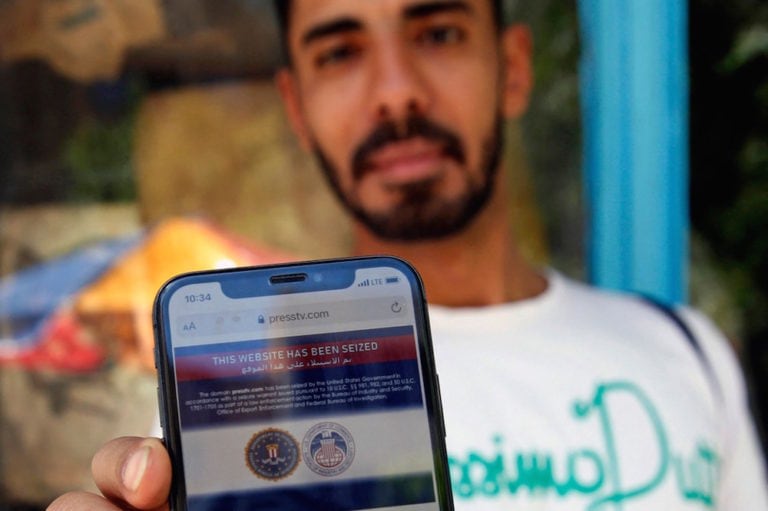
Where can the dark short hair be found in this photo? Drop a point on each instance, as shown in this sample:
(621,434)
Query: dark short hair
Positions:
(283,12)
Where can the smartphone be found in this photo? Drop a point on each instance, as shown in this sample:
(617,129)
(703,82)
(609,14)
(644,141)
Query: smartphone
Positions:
(308,386)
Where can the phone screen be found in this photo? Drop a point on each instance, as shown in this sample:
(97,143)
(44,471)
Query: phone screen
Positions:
(310,386)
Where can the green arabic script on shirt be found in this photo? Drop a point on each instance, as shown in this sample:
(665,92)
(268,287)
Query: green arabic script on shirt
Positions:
(593,473)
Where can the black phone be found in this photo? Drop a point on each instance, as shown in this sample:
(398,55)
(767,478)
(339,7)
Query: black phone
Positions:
(305,386)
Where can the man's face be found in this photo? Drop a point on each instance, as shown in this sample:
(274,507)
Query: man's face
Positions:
(401,100)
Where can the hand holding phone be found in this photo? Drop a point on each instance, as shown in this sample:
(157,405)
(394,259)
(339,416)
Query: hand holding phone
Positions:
(302,386)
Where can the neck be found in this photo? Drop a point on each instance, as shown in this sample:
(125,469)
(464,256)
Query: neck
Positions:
(478,266)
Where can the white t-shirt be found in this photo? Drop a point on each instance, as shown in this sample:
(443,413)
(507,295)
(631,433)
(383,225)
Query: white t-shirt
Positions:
(584,400)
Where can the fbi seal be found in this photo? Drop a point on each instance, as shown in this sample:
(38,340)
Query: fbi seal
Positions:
(272,454)
(328,449)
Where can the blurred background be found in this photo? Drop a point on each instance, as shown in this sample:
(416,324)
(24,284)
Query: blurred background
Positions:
(143,138)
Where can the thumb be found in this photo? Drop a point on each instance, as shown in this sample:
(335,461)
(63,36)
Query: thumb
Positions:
(136,471)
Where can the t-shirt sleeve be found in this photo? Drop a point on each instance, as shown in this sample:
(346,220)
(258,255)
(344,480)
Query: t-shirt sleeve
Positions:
(743,484)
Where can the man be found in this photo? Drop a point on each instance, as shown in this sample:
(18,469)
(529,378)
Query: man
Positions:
(556,396)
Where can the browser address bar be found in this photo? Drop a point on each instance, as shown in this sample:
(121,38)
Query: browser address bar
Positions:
(263,319)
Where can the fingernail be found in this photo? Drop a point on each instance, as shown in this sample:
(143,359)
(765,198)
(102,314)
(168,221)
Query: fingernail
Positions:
(134,468)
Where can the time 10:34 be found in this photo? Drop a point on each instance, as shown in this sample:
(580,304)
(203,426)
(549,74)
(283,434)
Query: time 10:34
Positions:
(196,298)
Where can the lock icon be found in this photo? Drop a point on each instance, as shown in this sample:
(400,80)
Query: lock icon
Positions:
(261,319)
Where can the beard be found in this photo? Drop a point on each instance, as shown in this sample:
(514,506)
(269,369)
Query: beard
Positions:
(420,214)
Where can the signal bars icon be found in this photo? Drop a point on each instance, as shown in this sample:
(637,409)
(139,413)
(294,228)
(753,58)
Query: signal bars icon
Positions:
(378,282)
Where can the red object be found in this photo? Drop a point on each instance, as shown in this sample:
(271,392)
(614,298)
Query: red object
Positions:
(65,346)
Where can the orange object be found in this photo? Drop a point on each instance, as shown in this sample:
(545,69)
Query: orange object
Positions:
(117,308)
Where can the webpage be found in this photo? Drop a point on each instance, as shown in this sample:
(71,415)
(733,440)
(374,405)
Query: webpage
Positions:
(291,418)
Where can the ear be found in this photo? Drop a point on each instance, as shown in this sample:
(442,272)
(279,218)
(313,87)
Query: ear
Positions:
(287,85)
(517,49)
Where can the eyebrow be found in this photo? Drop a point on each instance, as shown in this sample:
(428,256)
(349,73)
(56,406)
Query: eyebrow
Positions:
(423,10)
(337,26)
(411,12)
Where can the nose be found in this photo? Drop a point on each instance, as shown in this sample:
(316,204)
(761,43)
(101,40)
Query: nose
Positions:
(399,88)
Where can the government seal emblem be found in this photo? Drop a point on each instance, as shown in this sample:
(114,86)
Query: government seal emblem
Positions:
(272,454)
(328,449)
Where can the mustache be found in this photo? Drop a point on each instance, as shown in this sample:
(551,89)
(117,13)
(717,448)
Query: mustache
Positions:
(414,127)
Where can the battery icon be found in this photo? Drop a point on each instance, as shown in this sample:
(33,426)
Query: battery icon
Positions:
(392,280)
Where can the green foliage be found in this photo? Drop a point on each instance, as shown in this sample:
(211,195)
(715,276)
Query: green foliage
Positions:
(99,156)
(750,43)
(745,224)
(729,54)
(552,126)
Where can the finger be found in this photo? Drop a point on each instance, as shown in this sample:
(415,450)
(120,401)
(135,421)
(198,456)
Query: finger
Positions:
(134,470)
(77,501)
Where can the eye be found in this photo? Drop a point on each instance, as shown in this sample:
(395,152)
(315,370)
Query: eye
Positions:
(336,54)
(442,35)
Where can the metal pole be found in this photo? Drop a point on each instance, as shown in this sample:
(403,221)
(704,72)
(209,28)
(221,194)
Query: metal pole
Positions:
(635,113)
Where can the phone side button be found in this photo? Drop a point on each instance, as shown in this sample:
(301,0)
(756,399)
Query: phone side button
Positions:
(159,407)
(154,335)
(440,405)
